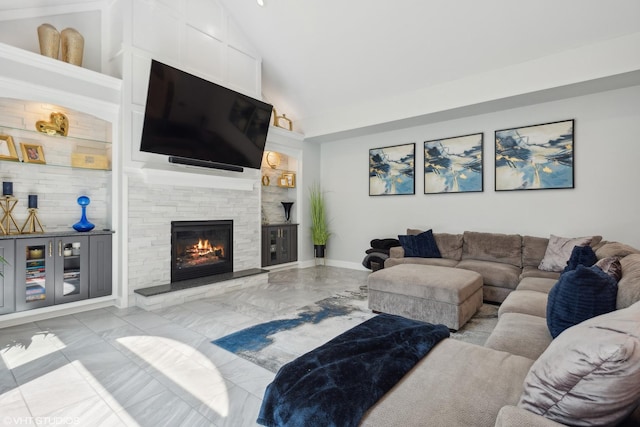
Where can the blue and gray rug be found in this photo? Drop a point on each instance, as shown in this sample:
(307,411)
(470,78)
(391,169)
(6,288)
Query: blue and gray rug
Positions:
(274,343)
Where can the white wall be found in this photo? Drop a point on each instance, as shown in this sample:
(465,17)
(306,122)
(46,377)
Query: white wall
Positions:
(604,200)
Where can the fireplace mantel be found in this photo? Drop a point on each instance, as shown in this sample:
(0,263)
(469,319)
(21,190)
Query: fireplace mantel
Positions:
(193,178)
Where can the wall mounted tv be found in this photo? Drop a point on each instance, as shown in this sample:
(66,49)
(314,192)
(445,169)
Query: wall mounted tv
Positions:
(200,123)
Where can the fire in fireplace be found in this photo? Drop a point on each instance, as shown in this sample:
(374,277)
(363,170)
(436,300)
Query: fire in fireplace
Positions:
(201,248)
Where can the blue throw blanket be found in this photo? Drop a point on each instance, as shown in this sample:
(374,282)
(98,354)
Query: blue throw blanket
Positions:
(335,384)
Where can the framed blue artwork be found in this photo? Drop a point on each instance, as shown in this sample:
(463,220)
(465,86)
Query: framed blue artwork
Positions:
(392,170)
(453,165)
(535,157)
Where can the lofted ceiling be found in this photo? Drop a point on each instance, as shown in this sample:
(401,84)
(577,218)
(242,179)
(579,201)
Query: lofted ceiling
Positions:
(319,56)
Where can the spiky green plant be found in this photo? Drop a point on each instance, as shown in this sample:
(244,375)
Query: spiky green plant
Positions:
(319,226)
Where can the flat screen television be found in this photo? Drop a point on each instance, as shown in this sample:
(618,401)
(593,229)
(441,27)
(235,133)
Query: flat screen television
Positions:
(201,123)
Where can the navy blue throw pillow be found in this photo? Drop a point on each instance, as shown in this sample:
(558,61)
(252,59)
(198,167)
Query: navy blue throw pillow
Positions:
(581,255)
(422,245)
(579,295)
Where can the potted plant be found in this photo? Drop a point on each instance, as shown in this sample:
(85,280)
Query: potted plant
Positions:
(319,227)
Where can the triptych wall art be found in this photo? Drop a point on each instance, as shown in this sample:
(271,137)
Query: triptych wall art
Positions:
(526,158)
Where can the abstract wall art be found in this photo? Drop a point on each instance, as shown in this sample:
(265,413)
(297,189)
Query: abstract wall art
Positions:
(392,170)
(453,165)
(535,157)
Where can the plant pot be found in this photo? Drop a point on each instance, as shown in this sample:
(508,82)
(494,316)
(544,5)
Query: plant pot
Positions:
(318,250)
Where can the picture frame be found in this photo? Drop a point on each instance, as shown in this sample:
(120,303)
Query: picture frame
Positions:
(8,148)
(537,157)
(454,165)
(32,153)
(287,180)
(392,170)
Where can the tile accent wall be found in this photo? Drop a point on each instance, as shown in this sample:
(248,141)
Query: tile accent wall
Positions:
(153,207)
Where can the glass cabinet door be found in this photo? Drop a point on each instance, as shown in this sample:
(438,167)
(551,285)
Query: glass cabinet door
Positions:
(283,256)
(34,273)
(72,268)
(273,245)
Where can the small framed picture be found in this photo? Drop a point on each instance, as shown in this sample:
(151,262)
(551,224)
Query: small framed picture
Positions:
(287,179)
(8,148)
(32,153)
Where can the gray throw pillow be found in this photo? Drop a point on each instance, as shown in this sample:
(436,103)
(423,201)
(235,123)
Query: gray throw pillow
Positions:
(559,251)
(590,374)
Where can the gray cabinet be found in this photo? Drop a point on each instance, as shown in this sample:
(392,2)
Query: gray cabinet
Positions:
(100,274)
(279,244)
(7,301)
(58,269)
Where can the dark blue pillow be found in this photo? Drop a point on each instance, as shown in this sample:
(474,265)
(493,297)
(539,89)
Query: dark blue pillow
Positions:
(581,255)
(422,245)
(579,295)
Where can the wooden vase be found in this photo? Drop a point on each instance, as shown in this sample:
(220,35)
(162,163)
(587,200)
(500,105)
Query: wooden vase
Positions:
(49,39)
(72,46)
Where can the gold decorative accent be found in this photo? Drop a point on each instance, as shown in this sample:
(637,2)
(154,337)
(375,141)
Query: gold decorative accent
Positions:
(49,39)
(7,203)
(72,46)
(265,180)
(32,153)
(273,159)
(59,125)
(282,121)
(287,180)
(32,224)
(8,148)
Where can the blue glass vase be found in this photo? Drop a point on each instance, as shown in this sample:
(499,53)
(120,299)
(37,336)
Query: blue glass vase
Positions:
(83,224)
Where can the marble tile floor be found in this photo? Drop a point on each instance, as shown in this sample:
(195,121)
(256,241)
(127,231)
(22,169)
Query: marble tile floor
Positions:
(130,367)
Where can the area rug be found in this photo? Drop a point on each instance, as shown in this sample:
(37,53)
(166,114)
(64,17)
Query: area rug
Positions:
(277,342)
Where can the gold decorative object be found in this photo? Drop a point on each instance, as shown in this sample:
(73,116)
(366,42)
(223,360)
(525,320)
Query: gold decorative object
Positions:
(273,159)
(32,153)
(287,180)
(282,121)
(8,148)
(32,224)
(72,46)
(89,161)
(49,39)
(7,203)
(58,125)
(265,180)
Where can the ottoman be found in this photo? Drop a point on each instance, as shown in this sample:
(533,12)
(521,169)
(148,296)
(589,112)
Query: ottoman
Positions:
(432,294)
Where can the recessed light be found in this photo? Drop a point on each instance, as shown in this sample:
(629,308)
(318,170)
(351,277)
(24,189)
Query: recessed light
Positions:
(260,3)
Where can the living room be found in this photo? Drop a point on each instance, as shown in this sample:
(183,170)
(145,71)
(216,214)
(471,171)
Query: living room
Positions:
(594,81)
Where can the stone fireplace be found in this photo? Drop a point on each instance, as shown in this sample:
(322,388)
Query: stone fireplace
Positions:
(201,249)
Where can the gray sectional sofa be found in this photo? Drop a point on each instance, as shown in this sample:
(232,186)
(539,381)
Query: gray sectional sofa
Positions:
(588,375)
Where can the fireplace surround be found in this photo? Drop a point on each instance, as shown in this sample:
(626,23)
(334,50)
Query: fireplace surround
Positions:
(201,249)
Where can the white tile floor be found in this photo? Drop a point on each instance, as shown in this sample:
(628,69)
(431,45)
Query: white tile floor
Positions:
(130,367)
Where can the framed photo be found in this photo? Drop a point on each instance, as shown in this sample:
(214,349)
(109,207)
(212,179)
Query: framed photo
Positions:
(392,170)
(535,157)
(453,165)
(32,153)
(287,179)
(8,148)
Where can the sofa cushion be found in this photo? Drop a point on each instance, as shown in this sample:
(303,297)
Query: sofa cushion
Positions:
(610,249)
(579,295)
(512,416)
(521,334)
(533,249)
(525,302)
(629,285)
(559,250)
(538,284)
(531,271)
(450,245)
(589,375)
(580,255)
(493,247)
(456,384)
(422,245)
(443,262)
(493,273)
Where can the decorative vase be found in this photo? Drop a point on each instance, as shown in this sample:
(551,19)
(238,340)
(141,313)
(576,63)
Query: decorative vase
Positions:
(72,46)
(83,224)
(49,39)
(287,211)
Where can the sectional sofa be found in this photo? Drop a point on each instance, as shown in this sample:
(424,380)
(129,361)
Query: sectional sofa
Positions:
(587,375)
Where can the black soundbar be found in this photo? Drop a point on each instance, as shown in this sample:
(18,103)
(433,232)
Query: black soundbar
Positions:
(204,164)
